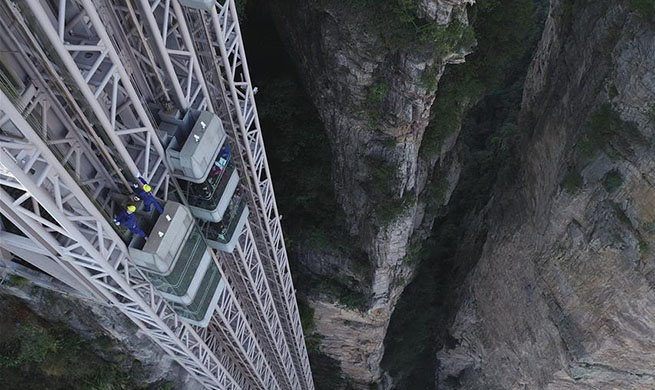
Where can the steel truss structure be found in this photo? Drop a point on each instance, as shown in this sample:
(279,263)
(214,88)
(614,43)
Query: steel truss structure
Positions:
(77,125)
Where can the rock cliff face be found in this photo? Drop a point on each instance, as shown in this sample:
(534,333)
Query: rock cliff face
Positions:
(114,337)
(374,95)
(562,296)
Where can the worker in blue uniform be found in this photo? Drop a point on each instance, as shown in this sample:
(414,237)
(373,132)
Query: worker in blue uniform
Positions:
(145,192)
(224,155)
(221,162)
(127,218)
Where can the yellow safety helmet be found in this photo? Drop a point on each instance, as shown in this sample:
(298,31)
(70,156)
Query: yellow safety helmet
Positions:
(131,208)
(147,188)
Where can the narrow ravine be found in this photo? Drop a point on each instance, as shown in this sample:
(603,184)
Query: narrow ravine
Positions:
(493,76)
(299,158)
(300,161)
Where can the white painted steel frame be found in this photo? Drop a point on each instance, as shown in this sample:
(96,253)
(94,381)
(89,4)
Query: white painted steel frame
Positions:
(112,97)
(168,14)
(164,18)
(27,250)
(236,323)
(57,100)
(112,94)
(237,87)
(231,321)
(238,328)
(251,266)
(248,344)
(61,134)
(84,239)
(42,247)
(244,284)
(171,39)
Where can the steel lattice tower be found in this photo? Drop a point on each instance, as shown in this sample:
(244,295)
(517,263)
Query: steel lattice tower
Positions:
(86,90)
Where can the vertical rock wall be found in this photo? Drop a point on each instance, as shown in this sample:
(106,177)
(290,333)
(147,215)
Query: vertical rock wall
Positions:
(562,296)
(131,349)
(374,101)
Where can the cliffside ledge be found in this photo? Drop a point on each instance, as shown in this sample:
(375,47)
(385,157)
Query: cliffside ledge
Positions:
(371,69)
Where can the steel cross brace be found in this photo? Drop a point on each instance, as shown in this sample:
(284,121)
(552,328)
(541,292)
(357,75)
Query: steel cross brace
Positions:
(250,288)
(233,323)
(170,39)
(236,322)
(55,101)
(91,60)
(71,226)
(242,288)
(232,71)
(250,266)
(101,52)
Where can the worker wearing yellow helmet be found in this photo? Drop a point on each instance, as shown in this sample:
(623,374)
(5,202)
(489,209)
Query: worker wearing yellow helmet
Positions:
(145,193)
(127,218)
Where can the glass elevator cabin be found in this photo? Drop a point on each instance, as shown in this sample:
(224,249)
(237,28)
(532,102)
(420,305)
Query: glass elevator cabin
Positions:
(213,189)
(175,257)
(178,263)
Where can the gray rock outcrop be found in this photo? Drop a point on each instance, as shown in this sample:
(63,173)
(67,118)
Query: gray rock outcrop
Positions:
(112,335)
(562,296)
(374,97)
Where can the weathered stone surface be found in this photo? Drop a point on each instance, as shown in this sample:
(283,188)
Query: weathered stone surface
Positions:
(562,296)
(341,59)
(354,338)
(90,319)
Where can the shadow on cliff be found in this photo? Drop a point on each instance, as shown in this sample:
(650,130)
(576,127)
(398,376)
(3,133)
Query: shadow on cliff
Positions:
(39,353)
(300,161)
(487,149)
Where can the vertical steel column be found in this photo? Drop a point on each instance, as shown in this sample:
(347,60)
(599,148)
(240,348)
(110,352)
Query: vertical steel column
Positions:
(179,61)
(28,250)
(60,269)
(233,320)
(238,87)
(55,98)
(249,263)
(152,155)
(84,239)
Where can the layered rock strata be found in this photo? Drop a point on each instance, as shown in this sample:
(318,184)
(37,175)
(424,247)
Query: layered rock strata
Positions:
(374,98)
(563,294)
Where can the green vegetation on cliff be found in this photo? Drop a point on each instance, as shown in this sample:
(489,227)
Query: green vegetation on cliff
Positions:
(572,182)
(605,132)
(301,168)
(398,24)
(645,9)
(483,96)
(297,145)
(300,160)
(37,354)
(612,180)
(505,32)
